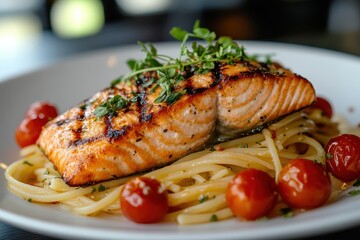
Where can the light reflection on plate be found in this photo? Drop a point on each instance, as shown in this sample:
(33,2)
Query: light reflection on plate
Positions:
(334,75)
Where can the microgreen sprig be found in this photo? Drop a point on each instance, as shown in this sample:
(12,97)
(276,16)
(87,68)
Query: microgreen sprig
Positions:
(169,70)
(202,56)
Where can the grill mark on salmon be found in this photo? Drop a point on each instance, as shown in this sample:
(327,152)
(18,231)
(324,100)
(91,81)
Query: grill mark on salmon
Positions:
(229,101)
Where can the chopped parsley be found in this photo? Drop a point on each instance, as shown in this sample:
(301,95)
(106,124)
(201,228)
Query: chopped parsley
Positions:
(329,155)
(203,198)
(111,106)
(244,145)
(100,188)
(27,163)
(354,192)
(286,212)
(213,218)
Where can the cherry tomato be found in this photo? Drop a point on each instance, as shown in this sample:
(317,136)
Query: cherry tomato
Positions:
(304,184)
(42,109)
(343,157)
(144,200)
(324,105)
(251,194)
(29,131)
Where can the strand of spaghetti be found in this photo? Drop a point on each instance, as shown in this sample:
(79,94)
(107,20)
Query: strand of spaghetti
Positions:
(39,194)
(247,158)
(185,173)
(243,152)
(273,151)
(31,149)
(313,152)
(220,174)
(186,219)
(285,121)
(198,178)
(84,201)
(253,151)
(305,125)
(46,196)
(320,152)
(218,157)
(288,134)
(210,205)
(191,193)
(192,156)
(97,206)
(234,157)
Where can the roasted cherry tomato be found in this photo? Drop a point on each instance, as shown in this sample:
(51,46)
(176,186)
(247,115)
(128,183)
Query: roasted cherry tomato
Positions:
(37,115)
(144,200)
(343,157)
(251,194)
(29,131)
(304,184)
(324,105)
(42,109)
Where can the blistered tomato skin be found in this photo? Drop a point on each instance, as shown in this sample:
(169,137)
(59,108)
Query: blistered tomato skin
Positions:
(144,200)
(42,109)
(343,157)
(251,194)
(304,184)
(324,105)
(37,115)
(29,131)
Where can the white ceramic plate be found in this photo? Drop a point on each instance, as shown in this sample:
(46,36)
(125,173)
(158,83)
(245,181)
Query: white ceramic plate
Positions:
(334,75)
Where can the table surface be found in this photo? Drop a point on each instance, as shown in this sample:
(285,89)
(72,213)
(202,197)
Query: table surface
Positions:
(49,49)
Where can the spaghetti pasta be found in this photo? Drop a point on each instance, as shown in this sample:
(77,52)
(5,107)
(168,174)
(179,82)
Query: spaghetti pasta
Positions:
(196,183)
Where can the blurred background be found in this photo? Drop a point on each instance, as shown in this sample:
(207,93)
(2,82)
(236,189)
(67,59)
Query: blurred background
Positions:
(34,33)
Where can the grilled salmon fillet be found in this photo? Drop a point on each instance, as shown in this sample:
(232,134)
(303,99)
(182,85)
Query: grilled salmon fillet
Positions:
(230,100)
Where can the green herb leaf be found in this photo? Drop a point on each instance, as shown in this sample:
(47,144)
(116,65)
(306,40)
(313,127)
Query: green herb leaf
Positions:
(244,145)
(354,192)
(213,218)
(111,106)
(178,33)
(101,188)
(132,64)
(329,155)
(203,198)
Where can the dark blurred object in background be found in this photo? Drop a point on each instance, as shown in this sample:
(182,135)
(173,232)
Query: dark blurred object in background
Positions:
(36,32)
